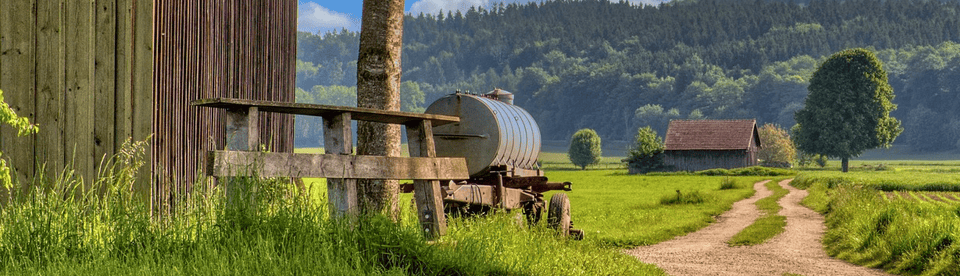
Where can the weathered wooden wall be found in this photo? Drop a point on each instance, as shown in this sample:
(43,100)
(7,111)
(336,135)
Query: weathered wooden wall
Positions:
(81,70)
(217,48)
(697,160)
(93,73)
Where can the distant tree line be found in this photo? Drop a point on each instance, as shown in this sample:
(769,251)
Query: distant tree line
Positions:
(615,67)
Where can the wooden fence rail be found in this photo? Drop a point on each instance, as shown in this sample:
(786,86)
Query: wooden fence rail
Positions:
(242,158)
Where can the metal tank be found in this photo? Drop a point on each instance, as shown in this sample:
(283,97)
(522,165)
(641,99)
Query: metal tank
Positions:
(490,133)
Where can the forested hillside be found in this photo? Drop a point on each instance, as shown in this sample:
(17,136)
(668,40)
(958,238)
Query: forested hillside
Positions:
(614,67)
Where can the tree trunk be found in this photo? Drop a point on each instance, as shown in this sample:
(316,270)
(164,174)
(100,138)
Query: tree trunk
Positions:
(378,86)
(844,164)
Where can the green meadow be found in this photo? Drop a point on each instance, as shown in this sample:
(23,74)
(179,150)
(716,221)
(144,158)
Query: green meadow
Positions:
(56,229)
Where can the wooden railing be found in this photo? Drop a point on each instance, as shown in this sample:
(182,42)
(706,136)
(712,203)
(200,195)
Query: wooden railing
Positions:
(342,169)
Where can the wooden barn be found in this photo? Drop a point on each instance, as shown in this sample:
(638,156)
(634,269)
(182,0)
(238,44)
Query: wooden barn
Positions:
(694,145)
(94,73)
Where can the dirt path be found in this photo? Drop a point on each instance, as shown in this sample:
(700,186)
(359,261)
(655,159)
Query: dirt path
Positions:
(797,250)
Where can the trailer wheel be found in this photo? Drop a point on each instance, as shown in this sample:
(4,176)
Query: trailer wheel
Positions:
(558,216)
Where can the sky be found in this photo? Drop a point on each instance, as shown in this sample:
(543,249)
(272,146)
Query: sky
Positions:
(322,16)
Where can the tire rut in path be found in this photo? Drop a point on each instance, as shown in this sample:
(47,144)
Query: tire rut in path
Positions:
(797,250)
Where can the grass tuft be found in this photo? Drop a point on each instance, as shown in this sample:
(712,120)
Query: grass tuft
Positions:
(728,183)
(769,224)
(694,197)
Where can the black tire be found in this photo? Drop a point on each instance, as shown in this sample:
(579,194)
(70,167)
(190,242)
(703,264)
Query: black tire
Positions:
(558,216)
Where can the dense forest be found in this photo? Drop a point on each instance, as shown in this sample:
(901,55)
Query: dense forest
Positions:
(614,66)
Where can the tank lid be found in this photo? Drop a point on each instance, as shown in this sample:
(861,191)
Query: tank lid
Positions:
(501,95)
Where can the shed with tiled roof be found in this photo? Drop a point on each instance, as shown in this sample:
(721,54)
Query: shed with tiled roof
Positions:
(693,145)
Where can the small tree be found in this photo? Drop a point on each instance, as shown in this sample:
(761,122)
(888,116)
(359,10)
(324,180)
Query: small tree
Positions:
(777,149)
(585,148)
(848,108)
(646,154)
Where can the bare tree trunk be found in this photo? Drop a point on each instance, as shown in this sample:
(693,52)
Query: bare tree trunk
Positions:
(844,164)
(378,86)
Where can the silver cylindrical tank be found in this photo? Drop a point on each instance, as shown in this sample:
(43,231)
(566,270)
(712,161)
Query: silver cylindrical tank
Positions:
(490,133)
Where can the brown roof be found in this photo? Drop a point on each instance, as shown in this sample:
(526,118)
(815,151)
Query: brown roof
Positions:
(711,134)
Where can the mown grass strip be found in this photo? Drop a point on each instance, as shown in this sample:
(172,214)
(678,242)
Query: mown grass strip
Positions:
(769,224)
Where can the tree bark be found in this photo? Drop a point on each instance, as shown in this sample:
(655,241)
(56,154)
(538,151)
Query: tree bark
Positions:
(378,86)
(844,164)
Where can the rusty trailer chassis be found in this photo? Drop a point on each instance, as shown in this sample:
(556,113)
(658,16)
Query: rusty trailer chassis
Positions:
(507,188)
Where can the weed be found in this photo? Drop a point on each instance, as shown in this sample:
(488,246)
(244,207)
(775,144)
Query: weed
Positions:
(728,183)
(694,197)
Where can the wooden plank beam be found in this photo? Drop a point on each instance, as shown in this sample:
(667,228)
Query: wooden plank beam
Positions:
(18,76)
(79,45)
(50,86)
(427,193)
(357,113)
(274,164)
(338,141)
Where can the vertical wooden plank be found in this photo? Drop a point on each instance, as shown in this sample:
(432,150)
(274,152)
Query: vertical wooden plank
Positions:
(338,139)
(18,76)
(79,77)
(426,193)
(124,62)
(142,86)
(50,86)
(105,67)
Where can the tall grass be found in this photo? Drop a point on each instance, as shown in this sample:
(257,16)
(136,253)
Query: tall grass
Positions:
(70,226)
(903,237)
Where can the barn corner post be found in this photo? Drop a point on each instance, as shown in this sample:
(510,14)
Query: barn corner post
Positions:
(378,87)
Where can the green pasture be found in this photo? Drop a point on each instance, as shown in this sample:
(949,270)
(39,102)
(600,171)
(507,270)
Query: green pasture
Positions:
(908,233)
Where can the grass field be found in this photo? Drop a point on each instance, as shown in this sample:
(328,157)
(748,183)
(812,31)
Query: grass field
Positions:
(890,218)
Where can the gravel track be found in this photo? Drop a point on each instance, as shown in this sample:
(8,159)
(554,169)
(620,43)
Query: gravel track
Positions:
(797,250)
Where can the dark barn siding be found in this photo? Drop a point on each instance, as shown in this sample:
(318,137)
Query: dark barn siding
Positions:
(698,160)
(237,49)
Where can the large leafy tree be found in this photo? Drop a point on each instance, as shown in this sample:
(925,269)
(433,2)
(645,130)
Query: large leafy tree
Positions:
(848,108)
(585,148)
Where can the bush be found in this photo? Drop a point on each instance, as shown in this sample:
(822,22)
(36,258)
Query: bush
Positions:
(748,171)
(585,148)
(777,146)
(646,154)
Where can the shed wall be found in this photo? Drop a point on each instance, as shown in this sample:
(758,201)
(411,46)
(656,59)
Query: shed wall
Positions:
(697,160)
(81,70)
(94,73)
(219,48)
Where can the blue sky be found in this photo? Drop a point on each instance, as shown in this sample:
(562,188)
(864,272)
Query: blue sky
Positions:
(328,15)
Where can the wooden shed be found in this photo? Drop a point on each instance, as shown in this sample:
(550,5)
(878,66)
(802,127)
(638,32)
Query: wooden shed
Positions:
(694,145)
(94,73)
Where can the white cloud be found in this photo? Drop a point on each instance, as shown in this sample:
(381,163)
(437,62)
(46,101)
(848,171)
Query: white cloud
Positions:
(313,18)
(435,6)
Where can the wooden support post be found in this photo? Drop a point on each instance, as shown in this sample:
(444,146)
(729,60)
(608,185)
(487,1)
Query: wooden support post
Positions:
(338,139)
(426,192)
(242,130)
(243,135)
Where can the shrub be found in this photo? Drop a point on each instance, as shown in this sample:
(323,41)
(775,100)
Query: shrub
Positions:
(585,148)
(777,146)
(646,154)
